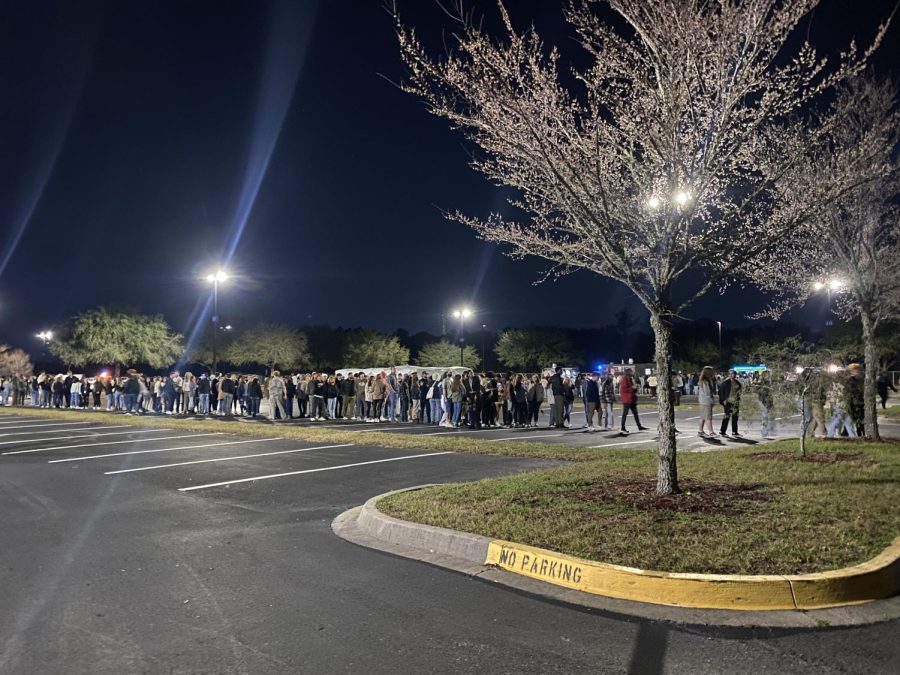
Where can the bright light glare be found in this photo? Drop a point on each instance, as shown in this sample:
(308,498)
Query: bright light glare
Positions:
(682,198)
(465,313)
(833,368)
(818,286)
(835,284)
(653,202)
(219,276)
(799,369)
(45,335)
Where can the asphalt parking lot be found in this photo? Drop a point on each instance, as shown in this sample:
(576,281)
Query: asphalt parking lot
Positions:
(139,550)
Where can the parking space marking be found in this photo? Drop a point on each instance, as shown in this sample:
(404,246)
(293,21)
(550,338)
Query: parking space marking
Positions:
(612,445)
(144,452)
(41,426)
(228,459)
(297,473)
(523,436)
(64,431)
(116,433)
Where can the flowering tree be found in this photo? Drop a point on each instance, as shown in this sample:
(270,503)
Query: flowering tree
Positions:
(668,153)
(852,248)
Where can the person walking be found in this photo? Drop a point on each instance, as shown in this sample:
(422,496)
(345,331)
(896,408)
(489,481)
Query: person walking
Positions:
(882,384)
(628,395)
(706,392)
(730,399)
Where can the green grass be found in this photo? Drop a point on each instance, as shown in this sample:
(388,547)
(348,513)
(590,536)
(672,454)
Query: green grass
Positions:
(892,413)
(816,516)
(384,439)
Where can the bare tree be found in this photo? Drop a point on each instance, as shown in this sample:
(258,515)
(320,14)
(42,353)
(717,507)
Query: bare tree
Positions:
(14,362)
(669,152)
(852,249)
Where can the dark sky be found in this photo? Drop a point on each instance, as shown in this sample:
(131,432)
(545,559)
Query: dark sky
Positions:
(143,142)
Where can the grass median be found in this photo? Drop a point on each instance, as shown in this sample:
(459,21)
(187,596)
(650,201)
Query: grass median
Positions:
(743,511)
(384,439)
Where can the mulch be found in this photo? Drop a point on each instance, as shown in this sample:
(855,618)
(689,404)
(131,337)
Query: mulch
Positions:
(695,496)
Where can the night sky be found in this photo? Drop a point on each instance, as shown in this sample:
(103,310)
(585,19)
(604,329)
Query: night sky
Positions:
(144,142)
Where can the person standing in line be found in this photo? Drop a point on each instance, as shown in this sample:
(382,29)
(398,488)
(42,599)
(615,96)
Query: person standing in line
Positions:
(75,393)
(882,384)
(226,395)
(608,400)
(591,395)
(331,397)
(535,398)
(763,388)
(203,393)
(706,392)
(277,390)
(730,399)
(254,396)
(348,397)
(559,400)
(628,395)
(289,394)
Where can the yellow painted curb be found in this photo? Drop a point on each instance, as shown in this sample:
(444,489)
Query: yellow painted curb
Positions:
(878,578)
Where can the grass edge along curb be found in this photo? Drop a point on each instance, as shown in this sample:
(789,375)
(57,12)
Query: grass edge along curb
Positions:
(874,579)
(376,437)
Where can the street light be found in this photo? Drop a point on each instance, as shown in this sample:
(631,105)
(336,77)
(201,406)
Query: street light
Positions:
(830,286)
(462,314)
(215,278)
(483,352)
(719,324)
(45,336)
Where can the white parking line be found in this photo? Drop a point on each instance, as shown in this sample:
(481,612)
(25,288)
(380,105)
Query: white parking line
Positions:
(612,445)
(144,452)
(522,437)
(48,424)
(297,473)
(14,419)
(115,433)
(227,459)
(64,431)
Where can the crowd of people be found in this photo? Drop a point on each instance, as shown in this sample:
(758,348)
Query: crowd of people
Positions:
(443,398)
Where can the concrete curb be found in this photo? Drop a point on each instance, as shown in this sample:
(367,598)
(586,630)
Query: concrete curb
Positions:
(837,598)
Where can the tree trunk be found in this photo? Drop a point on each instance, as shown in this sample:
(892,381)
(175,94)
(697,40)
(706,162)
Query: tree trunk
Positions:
(869,393)
(804,425)
(667,470)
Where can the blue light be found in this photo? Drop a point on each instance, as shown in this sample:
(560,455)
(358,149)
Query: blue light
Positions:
(599,368)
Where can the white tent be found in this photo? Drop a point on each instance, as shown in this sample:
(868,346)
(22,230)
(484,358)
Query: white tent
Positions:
(434,371)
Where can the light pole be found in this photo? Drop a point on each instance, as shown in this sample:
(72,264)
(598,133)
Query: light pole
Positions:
(45,336)
(831,286)
(719,324)
(462,314)
(214,279)
(483,352)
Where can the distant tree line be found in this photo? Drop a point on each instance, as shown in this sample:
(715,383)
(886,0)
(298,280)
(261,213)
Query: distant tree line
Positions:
(120,339)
